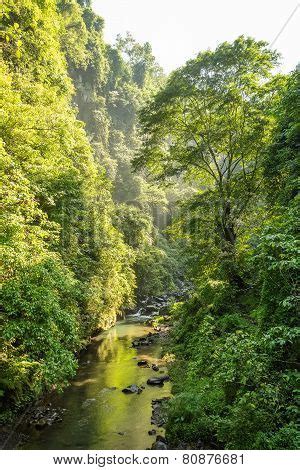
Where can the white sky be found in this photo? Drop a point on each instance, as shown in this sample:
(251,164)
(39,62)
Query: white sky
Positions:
(179,29)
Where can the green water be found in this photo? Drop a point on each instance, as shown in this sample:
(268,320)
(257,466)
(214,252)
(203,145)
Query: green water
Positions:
(96,412)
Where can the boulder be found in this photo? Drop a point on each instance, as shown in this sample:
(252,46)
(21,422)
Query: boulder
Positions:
(160,444)
(158,380)
(132,389)
(143,363)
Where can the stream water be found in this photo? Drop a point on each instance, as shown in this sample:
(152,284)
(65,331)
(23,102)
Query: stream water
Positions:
(97,414)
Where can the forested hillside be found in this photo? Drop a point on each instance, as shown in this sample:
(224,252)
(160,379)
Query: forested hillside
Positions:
(233,127)
(78,230)
(120,183)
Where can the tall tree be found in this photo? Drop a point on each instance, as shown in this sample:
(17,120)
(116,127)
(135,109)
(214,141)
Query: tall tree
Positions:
(211,122)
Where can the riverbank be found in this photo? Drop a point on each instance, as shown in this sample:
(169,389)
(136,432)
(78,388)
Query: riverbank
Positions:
(93,412)
(110,350)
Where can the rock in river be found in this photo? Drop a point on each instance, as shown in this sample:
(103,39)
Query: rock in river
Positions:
(143,363)
(132,389)
(158,380)
(44,416)
(160,443)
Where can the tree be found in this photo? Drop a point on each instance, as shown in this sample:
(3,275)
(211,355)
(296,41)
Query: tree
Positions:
(237,354)
(143,65)
(211,122)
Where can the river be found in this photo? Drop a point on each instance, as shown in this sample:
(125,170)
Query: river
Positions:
(98,415)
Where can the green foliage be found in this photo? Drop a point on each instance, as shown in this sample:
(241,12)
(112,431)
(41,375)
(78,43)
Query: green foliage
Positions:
(277,258)
(76,221)
(82,235)
(109,104)
(156,258)
(135,225)
(241,378)
(145,72)
(233,131)
(66,269)
(39,319)
(160,266)
(211,123)
(281,165)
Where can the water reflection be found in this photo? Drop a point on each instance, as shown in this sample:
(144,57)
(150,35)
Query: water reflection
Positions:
(98,415)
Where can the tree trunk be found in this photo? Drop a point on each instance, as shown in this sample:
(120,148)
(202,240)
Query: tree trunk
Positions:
(227,232)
